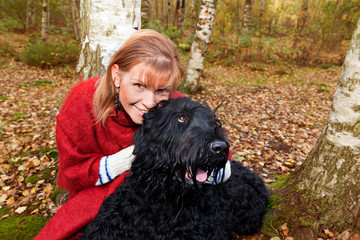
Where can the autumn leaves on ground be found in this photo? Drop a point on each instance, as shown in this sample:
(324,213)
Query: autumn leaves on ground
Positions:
(273,114)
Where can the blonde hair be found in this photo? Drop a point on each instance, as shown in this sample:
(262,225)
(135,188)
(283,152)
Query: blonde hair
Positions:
(159,61)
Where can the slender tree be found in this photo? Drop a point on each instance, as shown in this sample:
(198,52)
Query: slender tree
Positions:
(168,16)
(105,25)
(200,45)
(325,191)
(44,20)
(75,18)
(179,13)
(247,15)
(303,16)
(145,13)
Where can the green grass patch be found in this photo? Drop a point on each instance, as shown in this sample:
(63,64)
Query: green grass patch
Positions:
(3,98)
(37,83)
(44,174)
(20,226)
(19,115)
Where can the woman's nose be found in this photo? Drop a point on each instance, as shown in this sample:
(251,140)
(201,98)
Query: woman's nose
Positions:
(149,99)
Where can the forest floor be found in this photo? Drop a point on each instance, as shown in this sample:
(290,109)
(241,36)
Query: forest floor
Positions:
(272,115)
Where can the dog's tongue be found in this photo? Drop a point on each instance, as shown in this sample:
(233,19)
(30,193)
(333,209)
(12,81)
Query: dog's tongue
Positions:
(201,175)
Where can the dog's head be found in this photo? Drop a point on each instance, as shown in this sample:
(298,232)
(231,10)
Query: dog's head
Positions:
(183,138)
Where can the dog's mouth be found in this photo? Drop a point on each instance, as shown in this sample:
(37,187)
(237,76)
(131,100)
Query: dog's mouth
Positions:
(200,176)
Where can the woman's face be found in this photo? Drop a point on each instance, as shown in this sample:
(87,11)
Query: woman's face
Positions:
(135,97)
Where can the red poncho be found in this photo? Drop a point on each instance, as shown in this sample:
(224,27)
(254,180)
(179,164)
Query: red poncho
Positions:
(81,144)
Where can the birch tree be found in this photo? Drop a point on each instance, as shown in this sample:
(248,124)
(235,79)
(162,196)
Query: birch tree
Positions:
(105,25)
(199,46)
(325,191)
(44,20)
(247,15)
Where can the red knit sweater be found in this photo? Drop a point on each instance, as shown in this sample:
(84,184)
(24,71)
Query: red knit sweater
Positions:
(81,144)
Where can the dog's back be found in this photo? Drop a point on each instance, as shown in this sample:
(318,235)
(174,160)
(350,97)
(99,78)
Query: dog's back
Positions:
(163,198)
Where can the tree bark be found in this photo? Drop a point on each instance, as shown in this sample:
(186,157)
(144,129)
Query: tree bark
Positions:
(179,13)
(199,46)
(168,19)
(325,191)
(105,25)
(27,17)
(75,18)
(145,13)
(247,15)
(44,18)
(303,15)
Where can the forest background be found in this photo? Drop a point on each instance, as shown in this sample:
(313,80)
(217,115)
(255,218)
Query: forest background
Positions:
(275,63)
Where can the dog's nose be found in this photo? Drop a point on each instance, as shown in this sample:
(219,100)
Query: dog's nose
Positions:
(219,147)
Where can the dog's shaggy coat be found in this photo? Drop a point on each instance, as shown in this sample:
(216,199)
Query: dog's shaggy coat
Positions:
(162,198)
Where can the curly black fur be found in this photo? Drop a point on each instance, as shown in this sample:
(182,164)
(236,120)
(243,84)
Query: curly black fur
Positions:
(157,201)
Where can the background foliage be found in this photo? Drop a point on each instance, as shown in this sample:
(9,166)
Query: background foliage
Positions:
(273,36)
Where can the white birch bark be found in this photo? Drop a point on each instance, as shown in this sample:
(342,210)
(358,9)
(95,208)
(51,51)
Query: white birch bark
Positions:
(247,15)
(105,25)
(44,18)
(326,189)
(199,46)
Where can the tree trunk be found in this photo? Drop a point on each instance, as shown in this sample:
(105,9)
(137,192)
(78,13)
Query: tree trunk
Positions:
(48,15)
(156,3)
(262,10)
(199,46)
(179,13)
(44,20)
(145,13)
(194,15)
(247,15)
(325,191)
(27,17)
(168,18)
(105,25)
(75,18)
(301,22)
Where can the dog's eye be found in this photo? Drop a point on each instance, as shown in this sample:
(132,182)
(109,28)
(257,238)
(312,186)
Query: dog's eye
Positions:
(182,118)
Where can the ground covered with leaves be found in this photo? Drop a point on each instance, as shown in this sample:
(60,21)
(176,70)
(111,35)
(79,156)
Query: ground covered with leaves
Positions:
(273,115)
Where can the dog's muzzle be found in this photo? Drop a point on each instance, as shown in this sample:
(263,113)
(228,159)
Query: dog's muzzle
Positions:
(219,148)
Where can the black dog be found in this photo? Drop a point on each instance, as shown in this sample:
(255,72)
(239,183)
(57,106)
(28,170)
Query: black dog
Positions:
(162,198)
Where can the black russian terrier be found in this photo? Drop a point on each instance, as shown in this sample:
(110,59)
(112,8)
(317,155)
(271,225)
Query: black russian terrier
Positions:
(162,199)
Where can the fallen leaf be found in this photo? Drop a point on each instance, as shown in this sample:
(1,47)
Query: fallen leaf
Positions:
(20,210)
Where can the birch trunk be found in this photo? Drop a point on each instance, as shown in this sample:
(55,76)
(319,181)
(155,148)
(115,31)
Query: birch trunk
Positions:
(199,46)
(247,15)
(44,17)
(325,191)
(105,25)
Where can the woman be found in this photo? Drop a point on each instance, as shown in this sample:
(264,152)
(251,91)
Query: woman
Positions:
(97,121)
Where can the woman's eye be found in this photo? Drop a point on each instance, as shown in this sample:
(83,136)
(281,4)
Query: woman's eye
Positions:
(139,85)
(182,118)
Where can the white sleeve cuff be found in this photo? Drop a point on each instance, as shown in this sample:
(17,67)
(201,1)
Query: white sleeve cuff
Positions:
(114,165)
